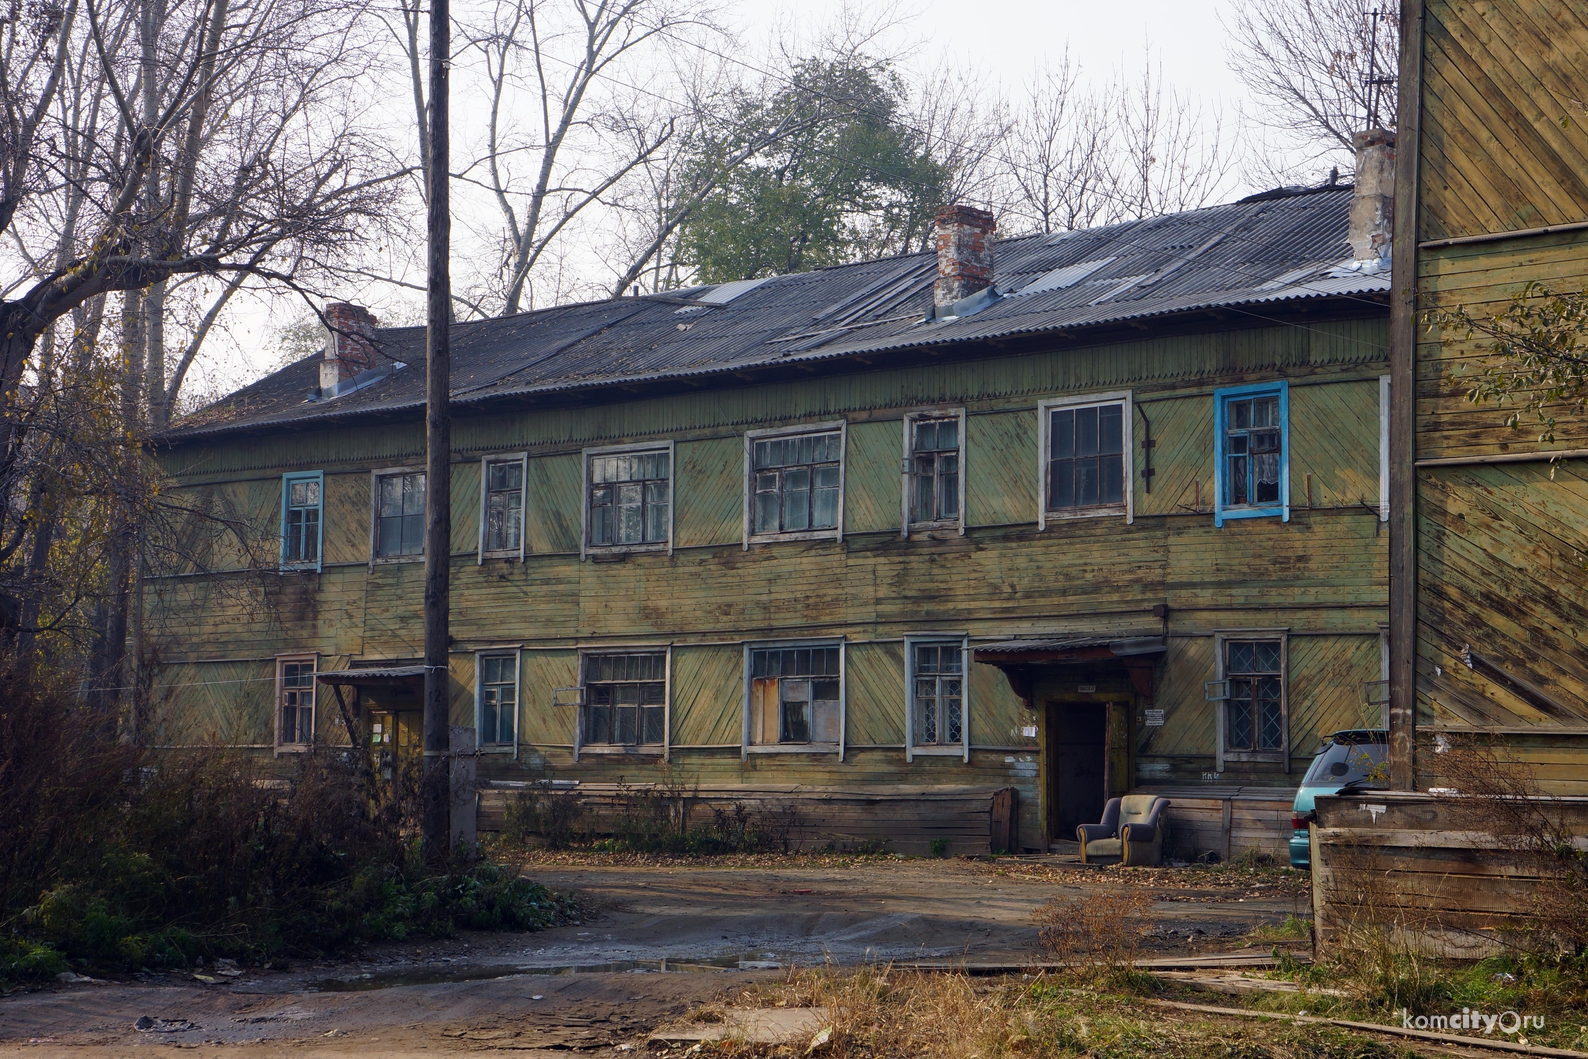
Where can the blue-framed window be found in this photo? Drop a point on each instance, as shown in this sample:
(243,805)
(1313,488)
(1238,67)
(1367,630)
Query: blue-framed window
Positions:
(1251,472)
(302,519)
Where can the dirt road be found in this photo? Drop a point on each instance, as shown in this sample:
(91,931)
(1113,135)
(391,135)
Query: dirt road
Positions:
(661,938)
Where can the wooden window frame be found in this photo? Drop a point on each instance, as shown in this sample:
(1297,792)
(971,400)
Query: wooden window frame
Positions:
(1281,756)
(522,459)
(1127,509)
(588,550)
(839,426)
(913,750)
(957,525)
(840,747)
(287,482)
(282,661)
(516,654)
(374,515)
(1221,399)
(662,750)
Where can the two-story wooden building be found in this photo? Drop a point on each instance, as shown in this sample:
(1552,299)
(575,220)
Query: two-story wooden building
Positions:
(1100,510)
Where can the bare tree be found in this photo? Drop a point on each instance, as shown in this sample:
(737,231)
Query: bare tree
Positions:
(1169,154)
(1057,153)
(1319,71)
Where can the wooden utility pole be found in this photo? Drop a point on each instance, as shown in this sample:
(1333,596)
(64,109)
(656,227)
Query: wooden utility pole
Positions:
(436,814)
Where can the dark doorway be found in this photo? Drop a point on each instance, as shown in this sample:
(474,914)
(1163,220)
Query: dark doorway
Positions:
(1076,733)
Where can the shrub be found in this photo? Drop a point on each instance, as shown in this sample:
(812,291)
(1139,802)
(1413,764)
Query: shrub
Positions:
(139,861)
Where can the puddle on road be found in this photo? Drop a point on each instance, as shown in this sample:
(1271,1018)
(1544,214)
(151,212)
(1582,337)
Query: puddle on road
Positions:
(495,972)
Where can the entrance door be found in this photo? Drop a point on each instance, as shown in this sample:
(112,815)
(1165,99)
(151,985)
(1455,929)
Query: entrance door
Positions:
(1076,733)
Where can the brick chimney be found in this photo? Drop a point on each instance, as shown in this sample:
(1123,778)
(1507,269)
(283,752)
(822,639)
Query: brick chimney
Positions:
(349,343)
(964,254)
(1373,208)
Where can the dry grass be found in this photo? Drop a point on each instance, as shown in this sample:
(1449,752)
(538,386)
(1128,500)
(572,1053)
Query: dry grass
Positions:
(879,1013)
(1104,928)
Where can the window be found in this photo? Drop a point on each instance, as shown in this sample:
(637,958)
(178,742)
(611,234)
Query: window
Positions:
(295,703)
(934,482)
(796,483)
(630,499)
(796,697)
(301,507)
(1086,457)
(625,699)
(937,695)
(399,514)
(1252,474)
(1254,713)
(497,690)
(502,507)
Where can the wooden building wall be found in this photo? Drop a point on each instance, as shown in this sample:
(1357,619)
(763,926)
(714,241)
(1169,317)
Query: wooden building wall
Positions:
(1502,593)
(1322,575)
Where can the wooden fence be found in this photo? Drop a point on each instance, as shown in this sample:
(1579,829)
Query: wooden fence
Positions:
(1431,873)
(900,819)
(1229,821)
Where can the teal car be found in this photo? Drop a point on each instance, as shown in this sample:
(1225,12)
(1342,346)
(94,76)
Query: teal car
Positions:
(1356,759)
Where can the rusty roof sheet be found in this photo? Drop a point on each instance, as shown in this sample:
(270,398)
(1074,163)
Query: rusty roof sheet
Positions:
(1249,257)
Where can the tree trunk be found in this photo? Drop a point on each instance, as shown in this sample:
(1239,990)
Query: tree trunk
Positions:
(107,674)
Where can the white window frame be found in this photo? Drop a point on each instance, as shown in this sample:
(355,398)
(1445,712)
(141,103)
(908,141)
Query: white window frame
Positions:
(1127,457)
(1282,755)
(664,749)
(747,748)
(908,478)
(287,482)
(586,549)
(314,701)
(841,427)
(374,515)
(522,459)
(516,653)
(911,749)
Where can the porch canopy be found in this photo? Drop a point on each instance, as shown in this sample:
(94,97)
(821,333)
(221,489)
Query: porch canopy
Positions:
(375,677)
(1137,652)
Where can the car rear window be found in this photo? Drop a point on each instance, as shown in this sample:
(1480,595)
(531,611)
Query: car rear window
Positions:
(1342,763)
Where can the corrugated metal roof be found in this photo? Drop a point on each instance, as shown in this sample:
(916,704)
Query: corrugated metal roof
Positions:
(1250,253)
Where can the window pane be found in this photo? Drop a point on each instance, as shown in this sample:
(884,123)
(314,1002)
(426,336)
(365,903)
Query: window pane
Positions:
(1061,484)
(1110,428)
(413,534)
(1061,443)
(391,496)
(824,501)
(796,498)
(413,494)
(1086,431)
(1111,479)
(1242,654)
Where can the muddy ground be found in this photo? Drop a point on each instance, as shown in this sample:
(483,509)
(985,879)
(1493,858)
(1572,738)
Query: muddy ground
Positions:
(660,937)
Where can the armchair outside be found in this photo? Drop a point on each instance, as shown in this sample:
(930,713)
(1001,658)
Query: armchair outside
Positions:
(1131,831)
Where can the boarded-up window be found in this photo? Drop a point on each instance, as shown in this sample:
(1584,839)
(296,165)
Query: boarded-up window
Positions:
(938,693)
(498,691)
(795,695)
(400,515)
(625,699)
(295,722)
(630,496)
(504,505)
(934,470)
(796,483)
(1255,710)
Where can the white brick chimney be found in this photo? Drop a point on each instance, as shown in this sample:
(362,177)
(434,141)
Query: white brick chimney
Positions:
(964,255)
(349,344)
(1373,208)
